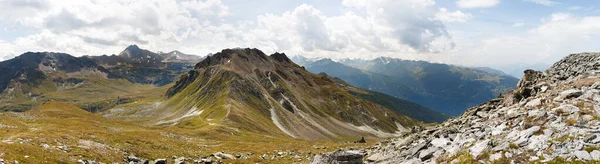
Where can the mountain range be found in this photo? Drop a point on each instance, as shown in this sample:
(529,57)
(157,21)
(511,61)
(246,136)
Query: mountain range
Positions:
(550,117)
(445,88)
(141,106)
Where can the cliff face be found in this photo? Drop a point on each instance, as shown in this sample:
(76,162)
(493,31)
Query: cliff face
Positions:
(550,116)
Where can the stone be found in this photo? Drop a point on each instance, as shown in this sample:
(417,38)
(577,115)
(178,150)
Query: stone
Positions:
(534,103)
(375,157)
(538,143)
(587,118)
(221,155)
(536,113)
(426,154)
(159,161)
(339,157)
(479,147)
(590,138)
(569,94)
(566,109)
(595,155)
(583,155)
(495,156)
(498,129)
(528,132)
(440,142)
(180,160)
(596,85)
(45,146)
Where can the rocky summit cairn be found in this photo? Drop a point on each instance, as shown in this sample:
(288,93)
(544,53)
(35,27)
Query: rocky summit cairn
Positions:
(550,116)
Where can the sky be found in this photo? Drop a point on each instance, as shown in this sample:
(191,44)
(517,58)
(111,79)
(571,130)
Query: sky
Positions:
(496,33)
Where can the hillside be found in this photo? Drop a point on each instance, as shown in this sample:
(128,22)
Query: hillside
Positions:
(551,117)
(248,90)
(404,107)
(444,88)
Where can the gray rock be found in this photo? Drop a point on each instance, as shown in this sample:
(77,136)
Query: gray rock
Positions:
(375,157)
(590,138)
(528,132)
(440,142)
(595,155)
(567,109)
(569,94)
(159,161)
(534,103)
(221,155)
(479,147)
(180,160)
(339,157)
(496,156)
(596,85)
(583,155)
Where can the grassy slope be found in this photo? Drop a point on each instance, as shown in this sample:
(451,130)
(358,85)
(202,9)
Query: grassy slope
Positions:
(89,136)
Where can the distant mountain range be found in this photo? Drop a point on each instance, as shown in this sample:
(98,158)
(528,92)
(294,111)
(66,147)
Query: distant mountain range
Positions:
(445,88)
(34,77)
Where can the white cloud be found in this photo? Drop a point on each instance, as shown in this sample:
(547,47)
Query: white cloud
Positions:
(520,24)
(412,22)
(477,3)
(457,16)
(543,2)
(558,35)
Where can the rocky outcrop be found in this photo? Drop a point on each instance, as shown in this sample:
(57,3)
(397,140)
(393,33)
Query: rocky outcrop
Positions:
(550,116)
(339,157)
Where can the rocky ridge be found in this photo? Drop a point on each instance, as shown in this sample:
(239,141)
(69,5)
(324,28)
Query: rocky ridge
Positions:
(552,116)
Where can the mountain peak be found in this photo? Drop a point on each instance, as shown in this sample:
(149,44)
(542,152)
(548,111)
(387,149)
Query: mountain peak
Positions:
(244,55)
(281,57)
(133,47)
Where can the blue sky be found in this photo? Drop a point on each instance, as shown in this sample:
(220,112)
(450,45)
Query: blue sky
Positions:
(496,33)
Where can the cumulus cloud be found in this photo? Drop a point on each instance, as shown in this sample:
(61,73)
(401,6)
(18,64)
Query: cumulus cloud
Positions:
(543,2)
(477,3)
(445,16)
(410,22)
(88,27)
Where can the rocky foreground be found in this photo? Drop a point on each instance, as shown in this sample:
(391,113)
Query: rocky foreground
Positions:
(552,116)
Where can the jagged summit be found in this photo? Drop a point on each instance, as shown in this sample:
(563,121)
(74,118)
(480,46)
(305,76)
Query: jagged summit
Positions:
(551,116)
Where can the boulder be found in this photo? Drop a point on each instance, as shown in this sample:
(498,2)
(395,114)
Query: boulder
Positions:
(596,85)
(221,155)
(339,157)
(583,155)
(569,94)
(479,147)
(534,103)
(595,155)
(375,157)
(496,156)
(159,161)
(566,109)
